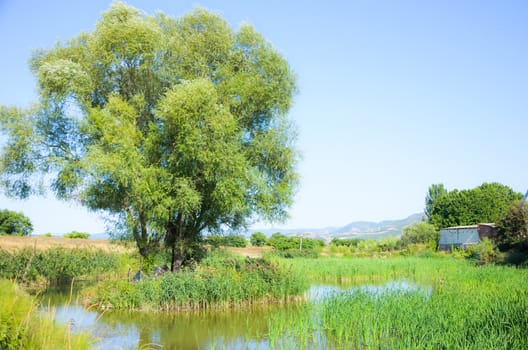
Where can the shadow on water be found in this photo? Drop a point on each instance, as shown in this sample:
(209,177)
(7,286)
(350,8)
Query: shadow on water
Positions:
(237,328)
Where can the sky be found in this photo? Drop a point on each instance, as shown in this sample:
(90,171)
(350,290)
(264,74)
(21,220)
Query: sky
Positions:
(393,96)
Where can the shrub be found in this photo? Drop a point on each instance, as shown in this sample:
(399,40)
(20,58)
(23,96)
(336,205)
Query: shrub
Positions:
(513,228)
(76,234)
(235,241)
(258,239)
(282,242)
(352,242)
(295,253)
(13,223)
(484,253)
(226,241)
(420,232)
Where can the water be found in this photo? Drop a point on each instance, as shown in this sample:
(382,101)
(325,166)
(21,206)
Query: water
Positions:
(246,327)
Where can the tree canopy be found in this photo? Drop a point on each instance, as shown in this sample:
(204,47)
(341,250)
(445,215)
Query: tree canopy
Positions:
(488,202)
(13,223)
(434,192)
(420,232)
(173,125)
(513,228)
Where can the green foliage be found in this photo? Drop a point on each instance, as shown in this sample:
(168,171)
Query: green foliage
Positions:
(295,253)
(408,303)
(420,232)
(23,327)
(364,247)
(488,202)
(175,126)
(221,280)
(226,241)
(434,192)
(75,234)
(47,234)
(512,229)
(447,319)
(484,253)
(351,242)
(13,223)
(282,242)
(55,264)
(258,239)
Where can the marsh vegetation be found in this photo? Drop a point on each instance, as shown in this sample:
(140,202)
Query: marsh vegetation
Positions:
(356,303)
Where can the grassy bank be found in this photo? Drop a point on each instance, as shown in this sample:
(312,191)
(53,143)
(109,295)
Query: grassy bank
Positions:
(23,327)
(220,281)
(55,265)
(452,304)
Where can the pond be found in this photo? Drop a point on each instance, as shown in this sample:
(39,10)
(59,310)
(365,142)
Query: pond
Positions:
(247,327)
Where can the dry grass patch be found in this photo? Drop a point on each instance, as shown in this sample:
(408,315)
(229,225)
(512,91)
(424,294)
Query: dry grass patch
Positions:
(12,243)
(252,252)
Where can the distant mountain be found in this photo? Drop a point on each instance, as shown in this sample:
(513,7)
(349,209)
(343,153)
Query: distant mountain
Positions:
(357,229)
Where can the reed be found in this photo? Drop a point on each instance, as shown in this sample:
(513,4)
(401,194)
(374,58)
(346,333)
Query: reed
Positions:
(55,264)
(220,281)
(22,326)
(455,305)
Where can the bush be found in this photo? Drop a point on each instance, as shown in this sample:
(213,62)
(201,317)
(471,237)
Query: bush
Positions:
(258,239)
(13,223)
(226,241)
(295,253)
(282,242)
(353,242)
(76,234)
(513,228)
(235,241)
(420,232)
(484,253)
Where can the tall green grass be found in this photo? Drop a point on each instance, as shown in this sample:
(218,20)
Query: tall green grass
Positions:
(475,310)
(55,264)
(219,281)
(360,270)
(458,306)
(23,327)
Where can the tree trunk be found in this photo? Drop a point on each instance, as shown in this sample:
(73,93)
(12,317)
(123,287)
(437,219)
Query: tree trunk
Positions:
(177,239)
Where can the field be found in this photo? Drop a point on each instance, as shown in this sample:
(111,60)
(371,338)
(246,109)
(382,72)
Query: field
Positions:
(11,243)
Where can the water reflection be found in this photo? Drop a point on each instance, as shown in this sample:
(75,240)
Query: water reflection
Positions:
(318,293)
(246,328)
(224,329)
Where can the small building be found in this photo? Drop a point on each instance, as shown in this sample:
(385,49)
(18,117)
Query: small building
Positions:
(465,236)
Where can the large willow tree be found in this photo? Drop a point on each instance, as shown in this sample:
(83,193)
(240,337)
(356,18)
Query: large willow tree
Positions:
(175,126)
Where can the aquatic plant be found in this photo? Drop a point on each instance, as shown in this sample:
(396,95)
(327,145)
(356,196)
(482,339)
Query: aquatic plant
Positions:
(221,280)
(23,327)
(55,264)
(460,306)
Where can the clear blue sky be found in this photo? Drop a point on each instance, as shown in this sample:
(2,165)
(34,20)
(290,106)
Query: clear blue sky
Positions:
(394,96)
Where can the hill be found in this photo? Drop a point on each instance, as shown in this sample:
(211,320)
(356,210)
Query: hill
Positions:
(356,229)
